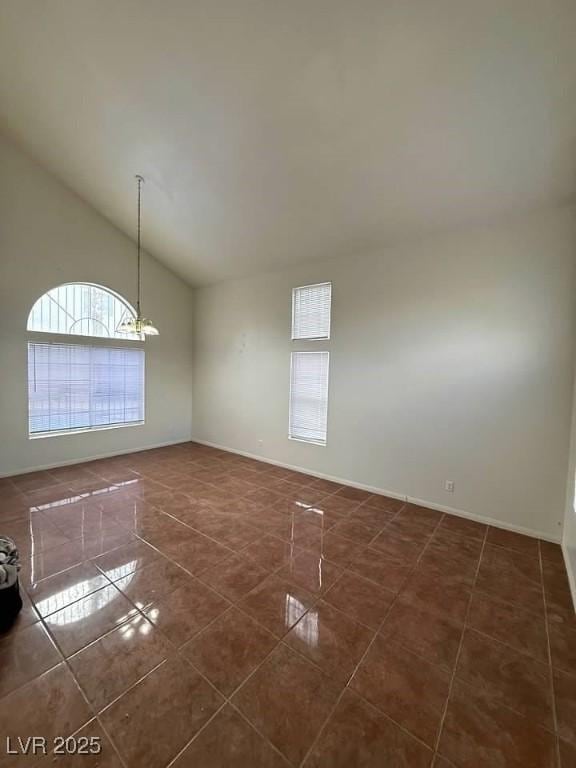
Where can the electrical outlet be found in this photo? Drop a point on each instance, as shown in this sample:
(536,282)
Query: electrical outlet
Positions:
(449,486)
(260,443)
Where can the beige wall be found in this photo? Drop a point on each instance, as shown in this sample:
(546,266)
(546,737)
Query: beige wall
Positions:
(48,236)
(450,359)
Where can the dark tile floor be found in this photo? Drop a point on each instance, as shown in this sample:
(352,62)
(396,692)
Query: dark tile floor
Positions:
(191,607)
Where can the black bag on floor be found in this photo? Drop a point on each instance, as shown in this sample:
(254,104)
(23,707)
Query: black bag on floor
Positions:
(10,600)
(10,605)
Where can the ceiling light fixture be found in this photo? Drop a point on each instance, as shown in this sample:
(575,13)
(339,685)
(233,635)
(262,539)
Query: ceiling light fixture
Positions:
(140,325)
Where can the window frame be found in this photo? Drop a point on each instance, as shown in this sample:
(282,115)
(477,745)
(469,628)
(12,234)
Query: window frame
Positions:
(131,311)
(293,314)
(321,443)
(310,345)
(64,339)
(76,339)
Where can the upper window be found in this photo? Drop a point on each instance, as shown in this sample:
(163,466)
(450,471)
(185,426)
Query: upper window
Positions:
(311,311)
(81,309)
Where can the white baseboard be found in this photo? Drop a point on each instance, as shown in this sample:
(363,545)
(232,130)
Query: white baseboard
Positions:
(392,494)
(95,457)
(385,491)
(571,573)
(494,522)
(313,473)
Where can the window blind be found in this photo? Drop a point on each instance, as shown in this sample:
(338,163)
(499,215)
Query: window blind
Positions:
(71,386)
(311,311)
(309,396)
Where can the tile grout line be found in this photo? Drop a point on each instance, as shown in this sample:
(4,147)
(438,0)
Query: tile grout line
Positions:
(90,706)
(228,701)
(273,572)
(173,491)
(97,712)
(197,577)
(133,685)
(280,641)
(228,697)
(369,646)
(177,651)
(96,719)
(550,663)
(497,641)
(216,509)
(112,742)
(198,732)
(41,619)
(259,732)
(456,660)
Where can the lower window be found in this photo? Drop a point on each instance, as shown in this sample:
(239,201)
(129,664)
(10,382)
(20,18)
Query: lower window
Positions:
(73,387)
(309,396)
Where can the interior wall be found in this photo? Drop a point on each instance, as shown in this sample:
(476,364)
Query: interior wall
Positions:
(49,236)
(451,359)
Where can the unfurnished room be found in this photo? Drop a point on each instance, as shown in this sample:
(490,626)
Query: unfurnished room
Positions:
(287,383)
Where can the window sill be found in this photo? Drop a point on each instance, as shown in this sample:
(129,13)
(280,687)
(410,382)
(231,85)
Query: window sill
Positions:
(322,444)
(84,430)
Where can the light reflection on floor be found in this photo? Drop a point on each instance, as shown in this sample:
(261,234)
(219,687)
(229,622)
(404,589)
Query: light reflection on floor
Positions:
(65,500)
(68,605)
(307,627)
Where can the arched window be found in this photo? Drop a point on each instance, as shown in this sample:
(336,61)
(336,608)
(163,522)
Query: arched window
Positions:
(75,385)
(81,309)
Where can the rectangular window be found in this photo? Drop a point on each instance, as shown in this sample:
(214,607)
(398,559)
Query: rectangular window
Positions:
(74,387)
(309,396)
(311,311)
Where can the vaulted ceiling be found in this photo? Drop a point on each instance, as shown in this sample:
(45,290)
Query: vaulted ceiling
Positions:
(280,131)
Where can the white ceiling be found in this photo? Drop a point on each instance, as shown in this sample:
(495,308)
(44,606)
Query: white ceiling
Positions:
(279,131)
